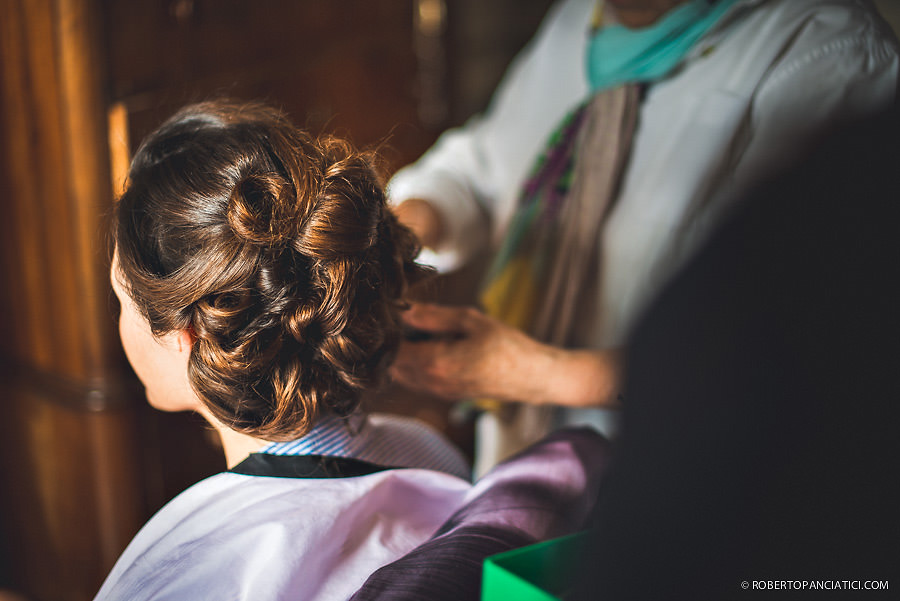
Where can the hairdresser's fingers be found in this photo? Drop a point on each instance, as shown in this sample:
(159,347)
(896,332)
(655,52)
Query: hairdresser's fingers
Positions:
(427,367)
(480,363)
(441,319)
(408,360)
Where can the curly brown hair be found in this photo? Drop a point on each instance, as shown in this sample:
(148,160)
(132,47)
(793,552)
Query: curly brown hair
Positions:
(277,251)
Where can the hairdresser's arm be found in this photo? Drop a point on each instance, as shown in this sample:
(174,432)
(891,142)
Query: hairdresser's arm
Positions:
(471,175)
(424,220)
(473,355)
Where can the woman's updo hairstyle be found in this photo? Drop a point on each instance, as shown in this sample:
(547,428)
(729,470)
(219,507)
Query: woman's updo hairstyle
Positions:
(277,251)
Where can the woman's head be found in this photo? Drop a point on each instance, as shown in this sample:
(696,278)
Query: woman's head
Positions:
(273,254)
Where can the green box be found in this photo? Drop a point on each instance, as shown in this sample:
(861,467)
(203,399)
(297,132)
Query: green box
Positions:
(540,572)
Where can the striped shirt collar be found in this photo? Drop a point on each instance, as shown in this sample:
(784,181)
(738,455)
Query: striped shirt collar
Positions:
(389,441)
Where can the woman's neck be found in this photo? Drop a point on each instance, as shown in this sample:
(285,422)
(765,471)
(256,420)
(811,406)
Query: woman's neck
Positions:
(236,446)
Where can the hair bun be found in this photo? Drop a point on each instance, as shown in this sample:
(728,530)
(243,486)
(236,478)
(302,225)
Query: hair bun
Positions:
(346,211)
(262,210)
(277,249)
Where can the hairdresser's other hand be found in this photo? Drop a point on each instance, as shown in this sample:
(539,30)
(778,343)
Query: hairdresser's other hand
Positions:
(471,354)
(423,219)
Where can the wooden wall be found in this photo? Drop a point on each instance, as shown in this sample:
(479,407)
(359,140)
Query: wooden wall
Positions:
(70,497)
(346,67)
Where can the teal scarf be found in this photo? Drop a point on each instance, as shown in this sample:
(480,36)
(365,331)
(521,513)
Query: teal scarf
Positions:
(617,54)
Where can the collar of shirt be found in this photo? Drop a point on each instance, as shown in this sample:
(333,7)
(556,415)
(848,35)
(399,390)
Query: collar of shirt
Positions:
(390,441)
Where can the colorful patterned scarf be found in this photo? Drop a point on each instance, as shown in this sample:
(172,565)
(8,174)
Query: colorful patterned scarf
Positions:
(548,254)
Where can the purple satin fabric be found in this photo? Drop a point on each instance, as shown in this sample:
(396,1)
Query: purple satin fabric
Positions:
(544,492)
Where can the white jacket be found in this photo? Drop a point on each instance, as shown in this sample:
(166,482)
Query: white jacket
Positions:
(768,76)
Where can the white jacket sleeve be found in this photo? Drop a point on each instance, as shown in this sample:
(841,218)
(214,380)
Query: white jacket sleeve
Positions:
(472,174)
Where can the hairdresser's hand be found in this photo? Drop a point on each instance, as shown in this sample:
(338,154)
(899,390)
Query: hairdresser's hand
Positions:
(423,219)
(473,355)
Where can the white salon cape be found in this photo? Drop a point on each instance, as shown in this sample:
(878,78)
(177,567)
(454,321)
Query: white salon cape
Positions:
(756,88)
(237,537)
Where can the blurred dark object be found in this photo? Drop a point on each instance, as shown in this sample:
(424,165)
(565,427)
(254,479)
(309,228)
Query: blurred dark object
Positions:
(760,422)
